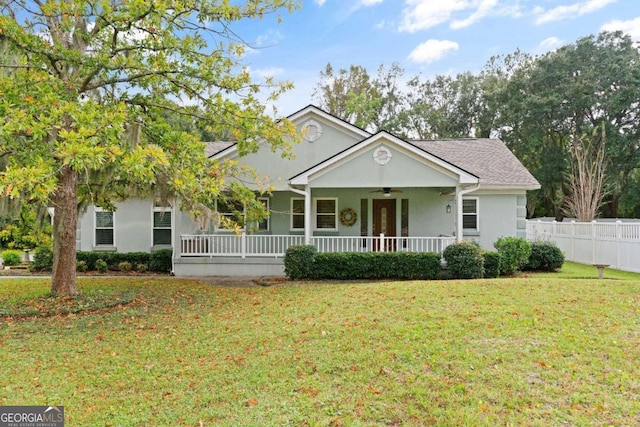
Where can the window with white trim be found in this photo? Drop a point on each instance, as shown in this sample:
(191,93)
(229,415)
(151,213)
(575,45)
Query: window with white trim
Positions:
(470,214)
(326,214)
(297,214)
(264,225)
(104,229)
(161,226)
(231,212)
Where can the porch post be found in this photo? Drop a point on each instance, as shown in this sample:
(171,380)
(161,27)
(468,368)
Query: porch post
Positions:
(307,211)
(307,215)
(458,214)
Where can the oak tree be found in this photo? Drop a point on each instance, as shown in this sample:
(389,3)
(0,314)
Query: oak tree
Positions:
(85,91)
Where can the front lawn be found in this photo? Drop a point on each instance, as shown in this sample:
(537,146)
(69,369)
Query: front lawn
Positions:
(538,350)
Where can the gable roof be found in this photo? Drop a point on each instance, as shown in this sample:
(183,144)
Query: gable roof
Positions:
(215,149)
(488,158)
(464,176)
(485,160)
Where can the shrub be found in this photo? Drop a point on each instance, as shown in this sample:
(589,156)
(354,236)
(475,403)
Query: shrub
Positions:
(545,256)
(376,265)
(101,265)
(515,254)
(142,268)
(161,261)
(125,266)
(11,257)
(113,259)
(298,261)
(464,260)
(81,266)
(492,261)
(42,259)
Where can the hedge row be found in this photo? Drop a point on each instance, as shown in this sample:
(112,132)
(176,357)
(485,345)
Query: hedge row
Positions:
(304,262)
(158,261)
(465,260)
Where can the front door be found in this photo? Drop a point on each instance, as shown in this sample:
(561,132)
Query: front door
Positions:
(384,222)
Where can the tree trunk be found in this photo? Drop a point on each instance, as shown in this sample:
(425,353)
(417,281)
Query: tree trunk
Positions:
(65,222)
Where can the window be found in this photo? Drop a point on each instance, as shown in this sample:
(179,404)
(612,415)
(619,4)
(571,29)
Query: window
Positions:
(326,216)
(470,214)
(297,214)
(104,228)
(264,224)
(161,226)
(231,212)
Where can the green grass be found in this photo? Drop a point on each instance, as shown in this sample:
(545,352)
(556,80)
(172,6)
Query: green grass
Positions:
(535,351)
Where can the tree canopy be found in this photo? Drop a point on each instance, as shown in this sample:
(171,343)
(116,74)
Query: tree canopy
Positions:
(89,95)
(538,105)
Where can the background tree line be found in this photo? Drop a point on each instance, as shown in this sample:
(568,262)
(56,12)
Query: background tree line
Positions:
(579,103)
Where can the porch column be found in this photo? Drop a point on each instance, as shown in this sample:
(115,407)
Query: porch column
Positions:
(307,215)
(307,211)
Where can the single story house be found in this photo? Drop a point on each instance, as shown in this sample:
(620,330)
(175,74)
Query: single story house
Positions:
(345,190)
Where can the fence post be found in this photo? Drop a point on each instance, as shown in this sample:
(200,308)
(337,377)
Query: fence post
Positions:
(573,239)
(618,242)
(243,244)
(593,241)
(382,248)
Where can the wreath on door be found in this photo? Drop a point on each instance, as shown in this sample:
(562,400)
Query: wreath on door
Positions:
(348,217)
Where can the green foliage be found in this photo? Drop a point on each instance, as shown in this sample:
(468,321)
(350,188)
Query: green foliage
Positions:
(74,101)
(161,261)
(81,266)
(11,257)
(464,260)
(42,259)
(23,227)
(304,262)
(125,266)
(492,262)
(101,265)
(113,259)
(375,265)
(298,261)
(142,268)
(545,256)
(514,253)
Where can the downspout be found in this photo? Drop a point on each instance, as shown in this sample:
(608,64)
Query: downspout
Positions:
(307,212)
(459,194)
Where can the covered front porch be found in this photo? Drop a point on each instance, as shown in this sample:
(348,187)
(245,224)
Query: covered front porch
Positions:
(275,246)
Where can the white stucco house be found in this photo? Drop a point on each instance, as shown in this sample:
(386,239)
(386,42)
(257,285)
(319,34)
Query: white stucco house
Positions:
(345,190)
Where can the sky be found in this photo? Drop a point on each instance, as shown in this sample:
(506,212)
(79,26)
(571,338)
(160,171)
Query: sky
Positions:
(424,37)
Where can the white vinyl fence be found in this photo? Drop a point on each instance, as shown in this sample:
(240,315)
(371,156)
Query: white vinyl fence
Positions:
(614,243)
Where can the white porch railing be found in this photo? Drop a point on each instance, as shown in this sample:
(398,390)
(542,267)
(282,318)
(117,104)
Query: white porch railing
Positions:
(209,245)
(613,243)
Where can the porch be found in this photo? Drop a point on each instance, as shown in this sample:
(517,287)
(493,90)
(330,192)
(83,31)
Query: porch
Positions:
(262,255)
(275,246)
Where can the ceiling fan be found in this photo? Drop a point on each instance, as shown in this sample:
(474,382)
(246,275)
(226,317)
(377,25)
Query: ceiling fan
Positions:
(386,191)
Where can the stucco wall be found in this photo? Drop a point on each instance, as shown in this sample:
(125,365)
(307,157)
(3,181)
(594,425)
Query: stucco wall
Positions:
(499,215)
(133,228)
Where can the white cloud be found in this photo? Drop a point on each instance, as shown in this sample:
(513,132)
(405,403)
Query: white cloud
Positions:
(432,50)
(549,43)
(560,13)
(266,73)
(484,8)
(424,14)
(631,27)
(319,2)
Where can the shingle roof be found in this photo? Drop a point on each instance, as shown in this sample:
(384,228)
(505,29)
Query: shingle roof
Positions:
(487,158)
(216,147)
